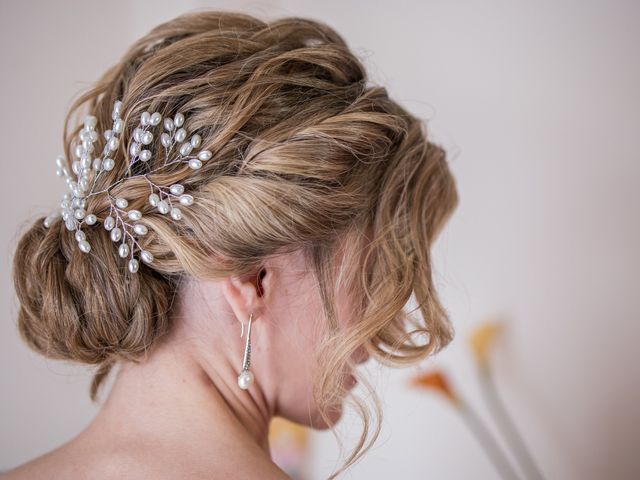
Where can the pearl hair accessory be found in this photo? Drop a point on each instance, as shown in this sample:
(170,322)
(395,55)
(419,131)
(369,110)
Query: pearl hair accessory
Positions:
(123,224)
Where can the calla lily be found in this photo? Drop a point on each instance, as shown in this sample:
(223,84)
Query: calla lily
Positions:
(482,339)
(435,380)
(289,445)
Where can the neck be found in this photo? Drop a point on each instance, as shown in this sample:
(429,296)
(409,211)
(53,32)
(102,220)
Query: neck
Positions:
(182,393)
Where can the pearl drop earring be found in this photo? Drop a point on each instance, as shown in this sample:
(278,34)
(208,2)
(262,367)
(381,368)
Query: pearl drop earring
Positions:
(245,379)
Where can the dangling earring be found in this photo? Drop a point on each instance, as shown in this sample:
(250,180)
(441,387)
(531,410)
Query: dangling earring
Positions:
(245,379)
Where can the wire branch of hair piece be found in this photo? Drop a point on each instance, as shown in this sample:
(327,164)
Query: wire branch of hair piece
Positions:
(123,224)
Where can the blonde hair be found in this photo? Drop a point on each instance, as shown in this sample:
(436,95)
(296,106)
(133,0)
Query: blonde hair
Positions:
(305,153)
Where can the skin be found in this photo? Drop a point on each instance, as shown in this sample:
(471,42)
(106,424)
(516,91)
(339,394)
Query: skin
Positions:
(179,412)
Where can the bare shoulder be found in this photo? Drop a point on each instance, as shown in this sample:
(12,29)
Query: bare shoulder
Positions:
(65,461)
(47,465)
(73,462)
(136,462)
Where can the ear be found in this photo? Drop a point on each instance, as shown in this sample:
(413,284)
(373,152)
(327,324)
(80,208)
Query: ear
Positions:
(245,294)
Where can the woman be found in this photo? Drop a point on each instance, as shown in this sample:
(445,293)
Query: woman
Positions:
(246,219)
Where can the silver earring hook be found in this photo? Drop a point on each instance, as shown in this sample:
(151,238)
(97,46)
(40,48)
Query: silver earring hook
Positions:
(242,325)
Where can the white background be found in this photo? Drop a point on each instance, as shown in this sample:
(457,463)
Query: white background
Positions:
(538,104)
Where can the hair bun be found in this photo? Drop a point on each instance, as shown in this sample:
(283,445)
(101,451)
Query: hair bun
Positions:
(76,306)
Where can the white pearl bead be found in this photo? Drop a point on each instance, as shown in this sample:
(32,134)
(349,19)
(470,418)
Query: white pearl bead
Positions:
(245,379)
(156,118)
(80,236)
(113,143)
(134,149)
(123,250)
(90,219)
(133,265)
(168,124)
(165,139)
(196,140)
(154,199)
(178,119)
(49,219)
(145,155)
(79,213)
(145,118)
(176,214)
(134,214)
(117,126)
(181,135)
(109,222)
(84,246)
(176,189)
(204,155)
(185,149)
(195,164)
(116,234)
(97,163)
(108,164)
(186,199)
(122,203)
(140,229)
(147,138)
(90,122)
(163,207)
(146,256)
(137,134)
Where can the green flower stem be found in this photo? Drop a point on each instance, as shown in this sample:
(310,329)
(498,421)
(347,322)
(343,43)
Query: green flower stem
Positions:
(505,423)
(488,442)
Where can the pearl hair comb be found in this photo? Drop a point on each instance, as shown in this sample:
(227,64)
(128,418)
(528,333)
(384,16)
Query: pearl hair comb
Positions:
(122,223)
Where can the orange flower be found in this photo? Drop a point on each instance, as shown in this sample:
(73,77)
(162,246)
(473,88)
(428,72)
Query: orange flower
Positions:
(289,446)
(281,429)
(435,380)
(482,339)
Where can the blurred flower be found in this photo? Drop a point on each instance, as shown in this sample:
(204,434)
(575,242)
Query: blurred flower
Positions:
(482,339)
(289,445)
(435,380)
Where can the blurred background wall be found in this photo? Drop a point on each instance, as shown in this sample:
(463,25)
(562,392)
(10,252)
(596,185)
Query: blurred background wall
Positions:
(538,104)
